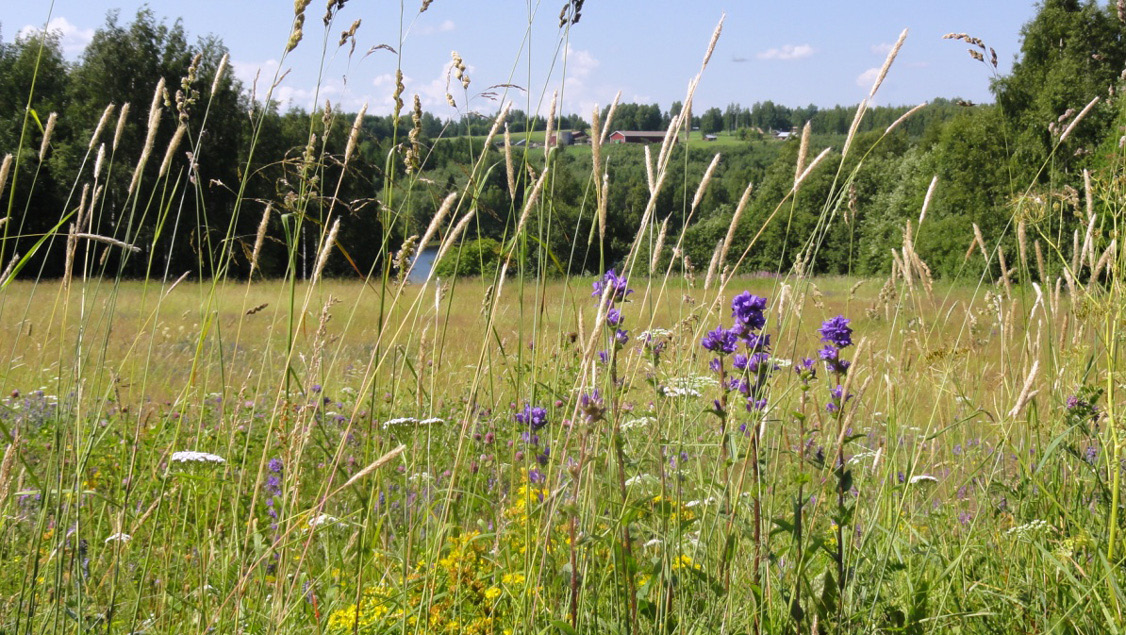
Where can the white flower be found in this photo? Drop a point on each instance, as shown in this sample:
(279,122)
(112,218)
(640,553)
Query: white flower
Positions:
(431,421)
(922,478)
(196,457)
(322,519)
(119,537)
(680,392)
(398,422)
(421,476)
(639,422)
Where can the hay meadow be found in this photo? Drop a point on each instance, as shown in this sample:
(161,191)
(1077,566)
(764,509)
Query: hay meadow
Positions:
(649,446)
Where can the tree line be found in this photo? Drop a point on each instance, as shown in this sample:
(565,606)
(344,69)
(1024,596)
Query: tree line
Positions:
(996,164)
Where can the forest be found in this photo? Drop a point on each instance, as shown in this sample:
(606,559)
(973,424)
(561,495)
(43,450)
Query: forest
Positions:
(992,164)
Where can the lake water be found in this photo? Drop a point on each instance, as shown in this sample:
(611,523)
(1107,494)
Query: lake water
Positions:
(425,262)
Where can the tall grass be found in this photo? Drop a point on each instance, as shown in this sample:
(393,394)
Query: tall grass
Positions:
(521,453)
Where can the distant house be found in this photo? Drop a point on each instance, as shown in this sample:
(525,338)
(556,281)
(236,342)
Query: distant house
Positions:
(637,136)
(782,135)
(567,138)
(710,137)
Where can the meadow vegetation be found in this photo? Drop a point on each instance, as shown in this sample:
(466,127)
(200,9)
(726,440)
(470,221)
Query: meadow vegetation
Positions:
(591,433)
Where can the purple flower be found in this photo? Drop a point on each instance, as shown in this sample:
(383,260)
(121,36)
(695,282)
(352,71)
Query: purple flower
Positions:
(836,332)
(534,417)
(536,476)
(275,465)
(613,317)
(720,341)
(747,310)
(831,355)
(836,393)
(613,281)
(621,337)
(592,405)
(604,357)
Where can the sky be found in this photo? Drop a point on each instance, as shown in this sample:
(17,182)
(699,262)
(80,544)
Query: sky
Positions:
(822,52)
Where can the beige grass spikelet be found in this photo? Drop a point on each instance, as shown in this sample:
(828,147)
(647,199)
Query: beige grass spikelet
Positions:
(655,257)
(122,117)
(1040,263)
(150,138)
(904,117)
(322,258)
(727,240)
(803,151)
(109,241)
(220,70)
(1026,392)
(509,168)
(48,130)
(5,169)
(927,199)
(887,64)
(98,129)
(354,133)
(712,265)
(1022,245)
(6,466)
(375,465)
(704,181)
(10,268)
(439,218)
(260,237)
(610,117)
(981,242)
(1087,252)
(173,145)
(809,170)
(452,238)
(1074,122)
(547,145)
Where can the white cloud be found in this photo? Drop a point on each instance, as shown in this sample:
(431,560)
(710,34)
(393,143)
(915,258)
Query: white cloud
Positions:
(72,38)
(580,63)
(868,77)
(787,52)
(881,49)
(430,29)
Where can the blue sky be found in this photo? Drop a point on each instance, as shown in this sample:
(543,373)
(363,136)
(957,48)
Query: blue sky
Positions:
(824,52)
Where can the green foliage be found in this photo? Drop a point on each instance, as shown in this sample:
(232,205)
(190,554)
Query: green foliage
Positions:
(480,257)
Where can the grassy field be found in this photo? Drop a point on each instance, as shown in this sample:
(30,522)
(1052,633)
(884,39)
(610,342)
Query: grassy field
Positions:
(961,499)
(631,452)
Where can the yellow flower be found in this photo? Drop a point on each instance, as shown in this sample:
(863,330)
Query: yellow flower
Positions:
(492,593)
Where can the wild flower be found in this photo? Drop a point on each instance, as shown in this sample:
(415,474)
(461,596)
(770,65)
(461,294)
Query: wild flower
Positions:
(721,341)
(747,310)
(534,417)
(190,456)
(836,402)
(592,405)
(618,285)
(119,537)
(922,478)
(837,332)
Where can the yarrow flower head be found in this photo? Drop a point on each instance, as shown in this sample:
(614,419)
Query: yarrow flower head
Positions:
(196,457)
(534,417)
(612,280)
